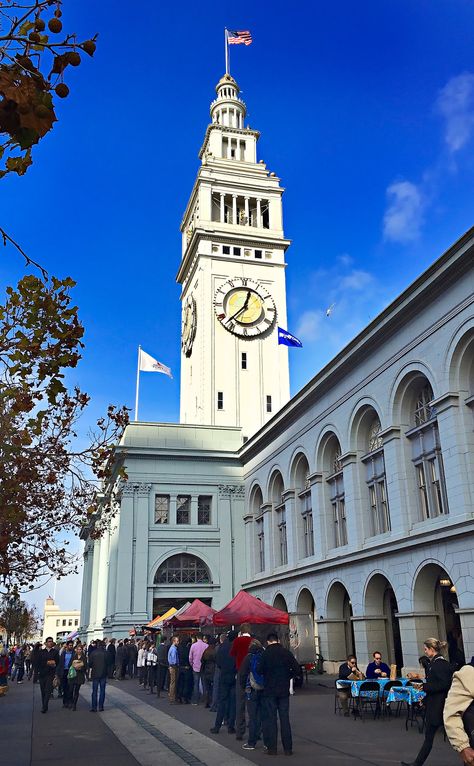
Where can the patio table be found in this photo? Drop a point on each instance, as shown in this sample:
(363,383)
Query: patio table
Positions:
(355,685)
(412,697)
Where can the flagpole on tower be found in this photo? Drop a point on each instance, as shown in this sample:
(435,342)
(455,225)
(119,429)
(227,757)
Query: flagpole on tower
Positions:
(138,385)
(226,45)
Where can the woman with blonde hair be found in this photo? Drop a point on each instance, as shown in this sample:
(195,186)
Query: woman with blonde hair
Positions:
(436,686)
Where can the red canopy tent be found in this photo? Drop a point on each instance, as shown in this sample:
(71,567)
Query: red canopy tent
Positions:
(197,613)
(247,608)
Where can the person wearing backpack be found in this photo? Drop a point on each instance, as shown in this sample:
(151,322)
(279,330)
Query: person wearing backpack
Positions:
(277,666)
(251,682)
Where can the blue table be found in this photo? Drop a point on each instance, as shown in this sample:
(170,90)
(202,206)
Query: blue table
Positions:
(382,682)
(412,697)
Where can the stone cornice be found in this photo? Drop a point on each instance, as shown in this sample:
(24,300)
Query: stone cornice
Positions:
(445,402)
(390,433)
(227,129)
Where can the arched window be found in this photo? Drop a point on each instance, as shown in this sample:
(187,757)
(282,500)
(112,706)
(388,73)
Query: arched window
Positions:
(304,524)
(426,454)
(277,490)
(183,569)
(256,503)
(375,479)
(335,482)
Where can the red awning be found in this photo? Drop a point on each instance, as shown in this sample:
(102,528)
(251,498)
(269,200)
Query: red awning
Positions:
(247,608)
(197,613)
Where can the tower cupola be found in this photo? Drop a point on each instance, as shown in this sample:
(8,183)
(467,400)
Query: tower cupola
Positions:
(228,109)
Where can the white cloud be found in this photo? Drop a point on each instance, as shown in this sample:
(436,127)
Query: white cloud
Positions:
(309,325)
(357,280)
(404,215)
(345,259)
(456,104)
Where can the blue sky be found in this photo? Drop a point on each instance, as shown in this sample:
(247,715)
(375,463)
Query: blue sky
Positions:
(367,115)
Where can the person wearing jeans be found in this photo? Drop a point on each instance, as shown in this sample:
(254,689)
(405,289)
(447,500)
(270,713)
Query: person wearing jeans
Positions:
(98,666)
(195,656)
(173,663)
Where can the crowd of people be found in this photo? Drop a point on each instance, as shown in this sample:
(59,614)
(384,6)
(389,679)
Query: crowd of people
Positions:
(233,675)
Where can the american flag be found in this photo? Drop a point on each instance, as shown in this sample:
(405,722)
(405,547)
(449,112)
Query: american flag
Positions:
(237,37)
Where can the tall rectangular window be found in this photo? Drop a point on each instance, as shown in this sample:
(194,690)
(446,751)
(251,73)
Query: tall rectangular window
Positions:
(204,509)
(162,509)
(244,360)
(261,545)
(283,544)
(377,488)
(428,461)
(220,400)
(269,403)
(183,509)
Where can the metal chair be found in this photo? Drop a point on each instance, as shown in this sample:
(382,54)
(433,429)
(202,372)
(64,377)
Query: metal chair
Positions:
(369,696)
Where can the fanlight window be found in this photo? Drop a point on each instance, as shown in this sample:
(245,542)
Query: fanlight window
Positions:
(423,410)
(374,438)
(183,569)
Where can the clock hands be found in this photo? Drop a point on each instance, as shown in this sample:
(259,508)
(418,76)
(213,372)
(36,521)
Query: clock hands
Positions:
(242,309)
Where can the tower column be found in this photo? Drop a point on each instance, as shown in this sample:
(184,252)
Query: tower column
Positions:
(259,213)
(234,208)
(247,213)
(222,208)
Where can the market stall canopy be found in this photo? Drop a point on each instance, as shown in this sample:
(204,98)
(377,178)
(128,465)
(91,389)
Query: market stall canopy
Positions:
(159,619)
(197,613)
(247,608)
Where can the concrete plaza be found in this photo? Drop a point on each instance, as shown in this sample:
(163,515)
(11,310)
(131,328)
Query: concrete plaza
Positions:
(137,728)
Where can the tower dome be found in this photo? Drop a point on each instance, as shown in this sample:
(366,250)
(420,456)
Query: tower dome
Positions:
(228,108)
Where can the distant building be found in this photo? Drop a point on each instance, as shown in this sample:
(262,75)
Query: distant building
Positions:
(59,623)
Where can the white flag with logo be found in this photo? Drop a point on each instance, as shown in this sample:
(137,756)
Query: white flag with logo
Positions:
(148,364)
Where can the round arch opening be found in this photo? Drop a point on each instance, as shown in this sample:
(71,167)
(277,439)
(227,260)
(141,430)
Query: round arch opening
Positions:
(435,597)
(381,605)
(340,630)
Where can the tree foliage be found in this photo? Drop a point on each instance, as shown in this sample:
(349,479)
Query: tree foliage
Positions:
(35,54)
(49,481)
(18,620)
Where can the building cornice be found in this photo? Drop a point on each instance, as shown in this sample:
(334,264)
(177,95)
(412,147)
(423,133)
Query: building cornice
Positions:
(226,129)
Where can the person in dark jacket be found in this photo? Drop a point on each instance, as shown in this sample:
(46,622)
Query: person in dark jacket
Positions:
(35,655)
(132,659)
(438,680)
(185,675)
(226,702)
(162,672)
(79,664)
(277,666)
(253,691)
(208,664)
(111,656)
(47,665)
(99,670)
(65,660)
(120,654)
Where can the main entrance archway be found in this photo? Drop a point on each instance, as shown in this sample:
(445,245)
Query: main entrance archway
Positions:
(383,630)
(340,631)
(435,600)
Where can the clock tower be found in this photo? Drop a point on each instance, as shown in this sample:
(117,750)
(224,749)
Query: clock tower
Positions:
(233,372)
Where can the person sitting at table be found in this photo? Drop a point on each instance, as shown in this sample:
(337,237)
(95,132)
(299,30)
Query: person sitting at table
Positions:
(348,671)
(377,668)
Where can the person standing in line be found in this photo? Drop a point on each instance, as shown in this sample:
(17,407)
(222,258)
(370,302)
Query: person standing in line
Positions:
(185,675)
(132,659)
(75,683)
(28,661)
(162,651)
(99,670)
(111,656)
(173,665)
(119,660)
(458,723)
(19,661)
(217,673)
(208,664)
(126,658)
(239,651)
(277,666)
(65,660)
(141,662)
(253,688)
(226,703)
(436,686)
(47,664)
(152,666)
(195,656)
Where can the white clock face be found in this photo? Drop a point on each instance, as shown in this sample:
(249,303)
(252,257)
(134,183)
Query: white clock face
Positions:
(244,307)
(188,328)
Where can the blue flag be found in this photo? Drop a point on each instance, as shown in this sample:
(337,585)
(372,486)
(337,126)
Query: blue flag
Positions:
(285,338)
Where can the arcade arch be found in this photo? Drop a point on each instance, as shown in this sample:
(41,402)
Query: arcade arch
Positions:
(383,630)
(340,630)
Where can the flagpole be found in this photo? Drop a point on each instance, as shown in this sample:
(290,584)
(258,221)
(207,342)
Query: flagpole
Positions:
(138,385)
(226,45)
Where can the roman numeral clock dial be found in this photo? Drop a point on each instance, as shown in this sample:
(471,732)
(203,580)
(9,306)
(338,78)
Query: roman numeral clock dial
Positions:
(244,307)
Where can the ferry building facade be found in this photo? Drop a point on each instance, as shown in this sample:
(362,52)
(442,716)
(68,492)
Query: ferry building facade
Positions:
(352,501)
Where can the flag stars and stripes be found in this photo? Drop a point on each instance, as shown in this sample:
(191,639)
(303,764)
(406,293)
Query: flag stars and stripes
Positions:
(239,37)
